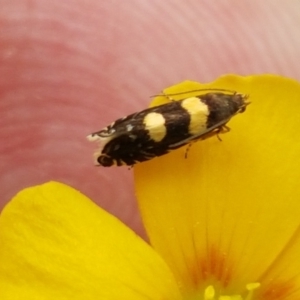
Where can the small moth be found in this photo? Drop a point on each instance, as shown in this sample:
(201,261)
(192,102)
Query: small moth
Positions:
(157,130)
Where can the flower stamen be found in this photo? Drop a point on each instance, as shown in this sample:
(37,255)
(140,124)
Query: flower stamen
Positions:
(210,293)
(251,287)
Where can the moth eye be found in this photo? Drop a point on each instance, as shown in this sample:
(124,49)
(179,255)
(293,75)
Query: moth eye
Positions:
(105,161)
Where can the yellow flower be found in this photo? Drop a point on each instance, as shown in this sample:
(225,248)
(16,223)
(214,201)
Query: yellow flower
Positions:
(229,215)
(57,244)
(223,223)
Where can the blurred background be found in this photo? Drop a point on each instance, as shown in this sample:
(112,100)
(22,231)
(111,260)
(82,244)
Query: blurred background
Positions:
(70,68)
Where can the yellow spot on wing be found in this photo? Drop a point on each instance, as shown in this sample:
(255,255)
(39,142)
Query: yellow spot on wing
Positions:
(155,124)
(198,112)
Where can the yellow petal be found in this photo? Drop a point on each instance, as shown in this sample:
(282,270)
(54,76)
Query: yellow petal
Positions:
(228,214)
(57,244)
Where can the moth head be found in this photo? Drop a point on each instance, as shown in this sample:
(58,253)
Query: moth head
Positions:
(103,160)
(102,138)
(241,101)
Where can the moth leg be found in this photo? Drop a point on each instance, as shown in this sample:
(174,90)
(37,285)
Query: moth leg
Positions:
(188,148)
(222,129)
(217,131)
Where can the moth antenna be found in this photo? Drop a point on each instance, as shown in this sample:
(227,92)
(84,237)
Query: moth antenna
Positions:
(198,90)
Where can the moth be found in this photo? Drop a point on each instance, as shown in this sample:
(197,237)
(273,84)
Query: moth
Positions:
(158,130)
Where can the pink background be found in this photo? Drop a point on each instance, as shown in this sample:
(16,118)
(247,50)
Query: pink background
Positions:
(68,68)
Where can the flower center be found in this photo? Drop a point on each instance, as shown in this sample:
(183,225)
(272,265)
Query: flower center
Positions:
(210,293)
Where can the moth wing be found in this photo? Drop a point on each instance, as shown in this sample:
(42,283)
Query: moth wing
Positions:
(119,127)
(203,135)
